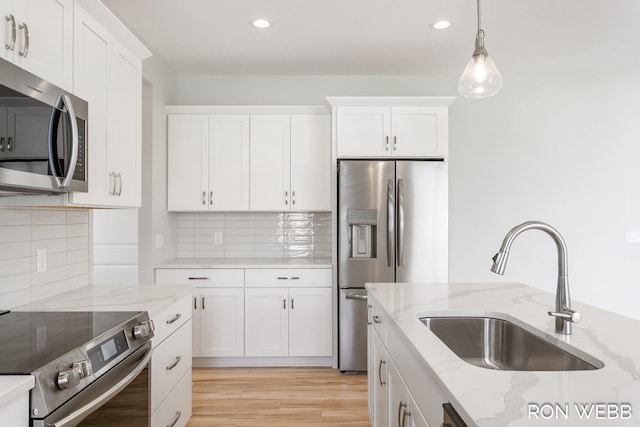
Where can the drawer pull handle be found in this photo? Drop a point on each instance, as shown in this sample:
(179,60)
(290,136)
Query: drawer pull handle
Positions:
(175,420)
(291,302)
(203,303)
(175,363)
(284,301)
(175,319)
(195,303)
(198,278)
(289,278)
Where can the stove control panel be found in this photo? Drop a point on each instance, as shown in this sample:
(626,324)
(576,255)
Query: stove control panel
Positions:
(143,330)
(71,377)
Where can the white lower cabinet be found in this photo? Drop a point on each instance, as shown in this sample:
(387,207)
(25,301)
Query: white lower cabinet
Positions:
(175,411)
(288,313)
(220,312)
(258,313)
(170,368)
(391,404)
(403,410)
(379,384)
(294,322)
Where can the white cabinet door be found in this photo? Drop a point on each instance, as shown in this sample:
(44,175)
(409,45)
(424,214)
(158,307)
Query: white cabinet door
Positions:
(91,84)
(269,164)
(363,131)
(416,132)
(6,10)
(266,322)
(44,42)
(310,322)
(310,162)
(228,162)
(125,138)
(415,416)
(110,79)
(195,320)
(222,322)
(188,136)
(379,387)
(398,397)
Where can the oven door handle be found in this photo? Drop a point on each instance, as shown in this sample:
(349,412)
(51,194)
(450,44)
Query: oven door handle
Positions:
(78,415)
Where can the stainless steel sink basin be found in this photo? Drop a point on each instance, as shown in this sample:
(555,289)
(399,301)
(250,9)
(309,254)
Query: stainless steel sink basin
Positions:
(495,343)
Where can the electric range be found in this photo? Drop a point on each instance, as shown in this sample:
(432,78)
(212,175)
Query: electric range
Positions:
(67,352)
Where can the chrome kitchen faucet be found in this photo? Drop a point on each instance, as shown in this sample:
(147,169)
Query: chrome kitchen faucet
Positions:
(563,313)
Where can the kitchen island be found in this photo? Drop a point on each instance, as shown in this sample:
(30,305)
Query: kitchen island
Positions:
(434,374)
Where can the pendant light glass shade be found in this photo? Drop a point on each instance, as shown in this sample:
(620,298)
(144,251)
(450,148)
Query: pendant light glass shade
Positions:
(481,78)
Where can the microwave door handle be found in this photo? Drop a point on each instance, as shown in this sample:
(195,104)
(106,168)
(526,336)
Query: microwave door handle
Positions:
(54,161)
(73,149)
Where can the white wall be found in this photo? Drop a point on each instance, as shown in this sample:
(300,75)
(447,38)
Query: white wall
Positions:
(158,91)
(558,149)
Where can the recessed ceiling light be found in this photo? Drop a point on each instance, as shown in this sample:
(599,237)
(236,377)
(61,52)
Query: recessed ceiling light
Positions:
(442,24)
(261,23)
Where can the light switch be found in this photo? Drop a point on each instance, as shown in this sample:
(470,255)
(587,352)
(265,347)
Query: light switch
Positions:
(217,238)
(632,236)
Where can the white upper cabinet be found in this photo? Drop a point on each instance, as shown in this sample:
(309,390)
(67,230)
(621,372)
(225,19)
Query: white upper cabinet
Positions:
(391,127)
(188,136)
(244,158)
(208,162)
(109,77)
(290,162)
(38,36)
(311,162)
(229,162)
(270,160)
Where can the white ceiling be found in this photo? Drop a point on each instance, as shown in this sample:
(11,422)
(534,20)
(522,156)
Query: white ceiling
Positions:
(387,37)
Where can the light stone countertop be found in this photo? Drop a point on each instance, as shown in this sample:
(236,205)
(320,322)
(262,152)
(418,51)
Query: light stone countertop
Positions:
(246,263)
(151,298)
(12,385)
(485,397)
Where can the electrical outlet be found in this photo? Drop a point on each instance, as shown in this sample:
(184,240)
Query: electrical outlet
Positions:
(217,238)
(632,236)
(41,260)
(159,241)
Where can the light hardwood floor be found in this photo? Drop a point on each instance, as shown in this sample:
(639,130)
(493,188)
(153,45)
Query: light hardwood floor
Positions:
(278,397)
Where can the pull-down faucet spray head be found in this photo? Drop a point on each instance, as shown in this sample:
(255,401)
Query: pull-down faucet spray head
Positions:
(563,313)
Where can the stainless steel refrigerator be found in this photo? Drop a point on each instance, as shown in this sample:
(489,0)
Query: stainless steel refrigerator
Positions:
(393,227)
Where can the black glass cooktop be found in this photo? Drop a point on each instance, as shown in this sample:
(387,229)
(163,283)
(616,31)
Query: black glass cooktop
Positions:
(30,340)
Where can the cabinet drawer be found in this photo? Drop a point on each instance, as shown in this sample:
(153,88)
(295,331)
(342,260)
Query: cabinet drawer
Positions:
(176,409)
(288,277)
(170,361)
(201,277)
(169,319)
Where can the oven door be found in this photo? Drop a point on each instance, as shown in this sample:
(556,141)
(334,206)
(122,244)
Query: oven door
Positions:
(120,397)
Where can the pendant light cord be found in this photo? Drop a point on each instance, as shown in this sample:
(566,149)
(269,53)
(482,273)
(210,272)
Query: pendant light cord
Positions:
(479,23)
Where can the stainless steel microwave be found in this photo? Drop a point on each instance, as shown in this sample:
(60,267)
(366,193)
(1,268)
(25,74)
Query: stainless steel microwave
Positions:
(43,135)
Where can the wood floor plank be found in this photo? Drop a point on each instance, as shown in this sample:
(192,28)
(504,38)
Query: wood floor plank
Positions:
(278,397)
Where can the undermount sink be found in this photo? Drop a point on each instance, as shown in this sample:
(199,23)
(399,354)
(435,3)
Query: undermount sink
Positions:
(501,344)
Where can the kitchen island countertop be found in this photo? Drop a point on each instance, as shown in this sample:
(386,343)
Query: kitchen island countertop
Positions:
(486,397)
(12,385)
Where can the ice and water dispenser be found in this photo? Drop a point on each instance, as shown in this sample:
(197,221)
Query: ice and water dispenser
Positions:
(362,232)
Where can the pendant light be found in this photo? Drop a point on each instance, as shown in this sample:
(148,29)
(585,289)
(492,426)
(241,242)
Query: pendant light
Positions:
(481,78)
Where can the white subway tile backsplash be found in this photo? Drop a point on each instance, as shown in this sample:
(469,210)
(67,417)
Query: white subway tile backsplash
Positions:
(65,236)
(254,235)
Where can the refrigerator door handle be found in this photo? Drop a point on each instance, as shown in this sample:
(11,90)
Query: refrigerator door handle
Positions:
(390,222)
(400,235)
